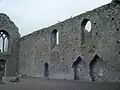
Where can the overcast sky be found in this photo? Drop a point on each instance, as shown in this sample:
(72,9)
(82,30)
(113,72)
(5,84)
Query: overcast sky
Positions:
(31,15)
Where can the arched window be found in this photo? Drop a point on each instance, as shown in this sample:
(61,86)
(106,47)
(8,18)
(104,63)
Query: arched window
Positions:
(4,36)
(97,69)
(78,66)
(46,72)
(85,28)
(57,42)
(54,38)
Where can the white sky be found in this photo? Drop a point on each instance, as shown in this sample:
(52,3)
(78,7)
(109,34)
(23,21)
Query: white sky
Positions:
(31,15)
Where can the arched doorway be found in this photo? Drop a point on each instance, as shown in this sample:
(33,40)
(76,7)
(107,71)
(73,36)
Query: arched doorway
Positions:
(46,71)
(97,69)
(2,67)
(79,66)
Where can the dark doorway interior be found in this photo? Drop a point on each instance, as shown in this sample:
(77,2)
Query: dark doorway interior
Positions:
(97,69)
(77,68)
(2,67)
(46,72)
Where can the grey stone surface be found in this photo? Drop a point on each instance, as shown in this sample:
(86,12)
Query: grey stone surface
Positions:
(43,84)
(11,56)
(116,1)
(31,52)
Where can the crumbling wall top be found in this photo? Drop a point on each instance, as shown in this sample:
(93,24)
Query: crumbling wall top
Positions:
(5,18)
(116,1)
(2,15)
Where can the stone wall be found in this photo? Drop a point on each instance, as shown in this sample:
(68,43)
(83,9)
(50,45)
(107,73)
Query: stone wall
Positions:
(11,56)
(74,42)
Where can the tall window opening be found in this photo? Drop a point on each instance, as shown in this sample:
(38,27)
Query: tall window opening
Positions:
(3,41)
(54,38)
(88,26)
(85,28)
(97,69)
(46,72)
(57,42)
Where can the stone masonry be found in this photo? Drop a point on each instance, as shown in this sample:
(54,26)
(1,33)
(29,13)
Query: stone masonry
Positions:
(78,54)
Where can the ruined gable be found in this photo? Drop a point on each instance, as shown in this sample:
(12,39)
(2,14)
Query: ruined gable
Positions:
(67,50)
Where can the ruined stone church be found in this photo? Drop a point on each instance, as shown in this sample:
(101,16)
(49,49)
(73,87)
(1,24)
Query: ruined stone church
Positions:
(65,50)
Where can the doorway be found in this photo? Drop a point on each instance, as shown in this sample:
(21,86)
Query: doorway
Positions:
(79,67)
(2,67)
(97,69)
(46,71)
